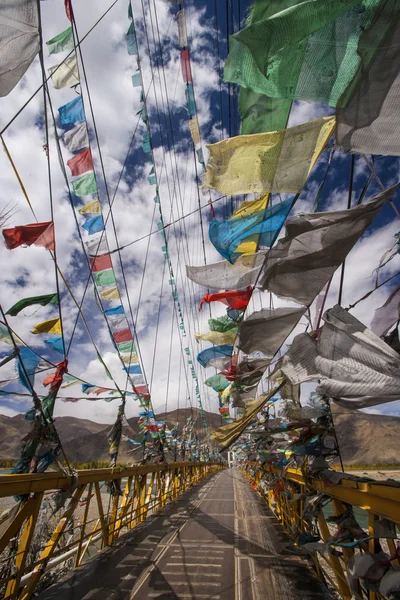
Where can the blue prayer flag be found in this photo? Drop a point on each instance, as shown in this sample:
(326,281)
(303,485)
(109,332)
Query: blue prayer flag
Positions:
(117,310)
(30,361)
(56,344)
(228,234)
(71,112)
(130,38)
(137,79)
(190,101)
(87,386)
(216,352)
(94,225)
(133,370)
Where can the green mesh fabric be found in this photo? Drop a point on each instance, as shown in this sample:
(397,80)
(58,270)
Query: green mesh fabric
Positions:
(307,51)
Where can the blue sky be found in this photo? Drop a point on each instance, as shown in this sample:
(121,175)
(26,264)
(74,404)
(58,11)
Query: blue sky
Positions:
(115,103)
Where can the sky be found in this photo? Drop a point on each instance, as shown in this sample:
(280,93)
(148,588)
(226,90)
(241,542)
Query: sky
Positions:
(111,105)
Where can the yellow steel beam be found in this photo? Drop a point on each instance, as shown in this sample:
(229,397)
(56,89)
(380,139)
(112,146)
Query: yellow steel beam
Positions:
(11,485)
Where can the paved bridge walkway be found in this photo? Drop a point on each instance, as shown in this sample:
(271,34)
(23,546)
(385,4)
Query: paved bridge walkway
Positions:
(218,542)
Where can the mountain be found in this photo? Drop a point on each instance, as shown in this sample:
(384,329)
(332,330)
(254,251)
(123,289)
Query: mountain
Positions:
(366,439)
(86,441)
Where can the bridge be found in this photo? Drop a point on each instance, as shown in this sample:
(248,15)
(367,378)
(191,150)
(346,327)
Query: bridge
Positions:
(184,530)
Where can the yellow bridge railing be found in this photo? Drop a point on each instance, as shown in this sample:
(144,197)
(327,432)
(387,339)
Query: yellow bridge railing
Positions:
(62,519)
(286,494)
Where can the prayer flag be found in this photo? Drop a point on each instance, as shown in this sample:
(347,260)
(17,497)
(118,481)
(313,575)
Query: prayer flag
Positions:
(110,293)
(76,138)
(32,300)
(134,370)
(106,277)
(279,161)
(238,299)
(50,326)
(62,41)
(217,337)
(225,276)
(93,208)
(388,314)
(221,353)
(39,234)
(97,246)
(137,79)
(84,185)
(266,330)
(223,324)
(185,66)
(132,357)
(124,335)
(190,101)
(94,225)
(68,10)
(180,18)
(130,39)
(117,310)
(19,41)
(65,74)
(194,130)
(252,219)
(101,263)
(71,112)
(81,163)
(125,347)
(30,361)
(217,382)
(56,344)
(118,322)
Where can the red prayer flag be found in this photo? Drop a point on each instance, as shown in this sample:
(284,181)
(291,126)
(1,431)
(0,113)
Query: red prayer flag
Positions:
(40,234)
(185,66)
(142,390)
(100,263)
(81,162)
(68,10)
(122,336)
(237,299)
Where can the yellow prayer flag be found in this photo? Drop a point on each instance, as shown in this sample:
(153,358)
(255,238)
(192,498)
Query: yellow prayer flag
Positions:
(51,326)
(278,161)
(226,435)
(194,130)
(226,393)
(130,358)
(93,208)
(250,245)
(217,337)
(110,293)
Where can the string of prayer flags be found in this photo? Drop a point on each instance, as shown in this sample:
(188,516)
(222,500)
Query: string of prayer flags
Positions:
(61,42)
(19,41)
(238,299)
(217,356)
(65,74)
(81,162)
(32,301)
(71,112)
(252,218)
(39,234)
(279,161)
(50,326)
(76,138)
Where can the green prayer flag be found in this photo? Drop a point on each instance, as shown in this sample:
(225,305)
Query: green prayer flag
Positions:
(84,185)
(106,277)
(126,347)
(223,324)
(296,49)
(25,302)
(62,41)
(104,365)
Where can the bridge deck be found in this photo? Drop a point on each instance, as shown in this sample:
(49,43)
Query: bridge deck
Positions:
(218,542)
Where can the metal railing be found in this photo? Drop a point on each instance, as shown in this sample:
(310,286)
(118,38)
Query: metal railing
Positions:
(286,493)
(60,518)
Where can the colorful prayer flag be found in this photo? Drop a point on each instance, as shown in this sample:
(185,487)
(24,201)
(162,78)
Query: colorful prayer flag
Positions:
(93,208)
(30,361)
(137,79)
(221,353)
(110,293)
(71,112)
(76,138)
(62,41)
(32,300)
(50,326)
(81,162)
(279,161)
(56,344)
(194,130)
(101,263)
(39,234)
(84,185)
(94,225)
(117,310)
(66,74)
(238,299)
(97,246)
(130,38)
(185,66)
(124,335)
(106,277)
